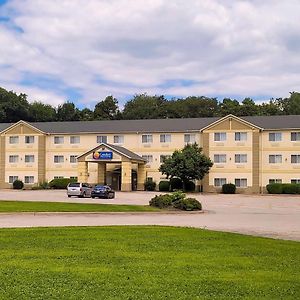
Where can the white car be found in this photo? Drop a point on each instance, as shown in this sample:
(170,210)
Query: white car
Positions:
(78,189)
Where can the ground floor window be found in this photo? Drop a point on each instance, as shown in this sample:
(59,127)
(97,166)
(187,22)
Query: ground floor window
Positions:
(29,179)
(58,159)
(275,181)
(74,177)
(219,181)
(240,182)
(295,180)
(58,177)
(13,178)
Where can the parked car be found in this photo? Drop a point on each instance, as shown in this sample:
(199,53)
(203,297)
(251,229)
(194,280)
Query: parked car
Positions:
(78,189)
(103,191)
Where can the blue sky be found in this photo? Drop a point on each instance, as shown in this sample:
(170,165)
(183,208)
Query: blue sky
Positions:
(82,51)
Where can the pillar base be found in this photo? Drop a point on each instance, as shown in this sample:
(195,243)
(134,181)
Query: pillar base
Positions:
(126,187)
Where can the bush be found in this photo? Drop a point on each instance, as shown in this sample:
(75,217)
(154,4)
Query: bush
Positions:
(60,183)
(189,186)
(150,185)
(176,184)
(177,196)
(290,188)
(275,188)
(228,188)
(188,204)
(164,186)
(161,201)
(18,184)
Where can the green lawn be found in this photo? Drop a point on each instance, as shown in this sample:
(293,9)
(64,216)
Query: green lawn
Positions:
(27,206)
(145,263)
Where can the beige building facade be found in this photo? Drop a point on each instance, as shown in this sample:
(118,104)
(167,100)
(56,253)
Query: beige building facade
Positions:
(250,152)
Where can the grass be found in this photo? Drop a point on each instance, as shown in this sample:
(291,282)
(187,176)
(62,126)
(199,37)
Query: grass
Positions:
(145,263)
(27,206)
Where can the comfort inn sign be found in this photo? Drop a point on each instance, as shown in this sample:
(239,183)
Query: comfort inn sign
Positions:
(102,155)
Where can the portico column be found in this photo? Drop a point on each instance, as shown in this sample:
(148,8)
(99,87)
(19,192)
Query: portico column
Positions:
(126,176)
(141,177)
(102,173)
(83,173)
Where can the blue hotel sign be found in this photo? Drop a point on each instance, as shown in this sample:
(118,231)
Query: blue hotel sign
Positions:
(102,155)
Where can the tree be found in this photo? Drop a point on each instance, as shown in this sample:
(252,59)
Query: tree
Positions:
(249,108)
(228,107)
(86,115)
(292,104)
(107,109)
(67,112)
(40,112)
(187,164)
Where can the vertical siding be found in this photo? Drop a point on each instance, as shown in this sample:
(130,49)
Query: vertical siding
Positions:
(41,158)
(2,161)
(255,162)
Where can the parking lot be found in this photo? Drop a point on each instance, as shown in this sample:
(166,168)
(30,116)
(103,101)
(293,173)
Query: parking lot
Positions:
(272,216)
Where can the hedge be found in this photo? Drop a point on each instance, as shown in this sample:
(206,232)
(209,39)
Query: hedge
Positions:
(150,185)
(164,186)
(228,188)
(283,188)
(60,183)
(176,184)
(18,184)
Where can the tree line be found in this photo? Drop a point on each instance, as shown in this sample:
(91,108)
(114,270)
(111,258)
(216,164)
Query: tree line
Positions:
(15,107)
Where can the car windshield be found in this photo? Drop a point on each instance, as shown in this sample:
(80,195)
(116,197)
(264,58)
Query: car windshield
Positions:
(75,184)
(100,187)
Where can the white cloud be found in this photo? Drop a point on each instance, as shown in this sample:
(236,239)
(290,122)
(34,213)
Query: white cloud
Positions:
(121,47)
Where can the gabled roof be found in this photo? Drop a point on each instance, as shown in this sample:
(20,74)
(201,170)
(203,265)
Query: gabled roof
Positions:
(120,150)
(12,125)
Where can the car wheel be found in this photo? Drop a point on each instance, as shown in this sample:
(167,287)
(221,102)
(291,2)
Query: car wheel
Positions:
(69,196)
(93,197)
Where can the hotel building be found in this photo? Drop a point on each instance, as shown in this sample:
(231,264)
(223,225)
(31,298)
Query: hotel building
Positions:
(250,152)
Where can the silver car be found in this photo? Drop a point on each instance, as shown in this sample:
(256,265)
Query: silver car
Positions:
(78,189)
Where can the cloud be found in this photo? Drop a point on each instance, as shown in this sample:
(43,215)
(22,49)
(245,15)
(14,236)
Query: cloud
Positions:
(87,49)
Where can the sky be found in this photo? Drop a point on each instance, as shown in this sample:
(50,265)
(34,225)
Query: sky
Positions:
(84,50)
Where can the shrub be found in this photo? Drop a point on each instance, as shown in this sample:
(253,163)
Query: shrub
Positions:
(228,188)
(164,186)
(60,183)
(161,201)
(178,195)
(188,204)
(189,186)
(290,188)
(275,188)
(18,184)
(176,184)
(150,185)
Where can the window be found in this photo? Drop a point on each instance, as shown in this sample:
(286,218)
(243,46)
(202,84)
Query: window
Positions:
(58,140)
(189,138)
(220,158)
(220,136)
(11,179)
(13,158)
(101,139)
(147,138)
(220,181)
(29,139)
(118,139)
(74,139)
(29,158)
(29,179)
(58,177)
(73,159)
(240,136)
(240,158)
(240,182)
(148,158)
(295,159)
(163,157)
(165,138)
(295,181)
(275,136)
(295,136)
(275,180)
(14,140)
(74,177)
(275,159)
(58,159)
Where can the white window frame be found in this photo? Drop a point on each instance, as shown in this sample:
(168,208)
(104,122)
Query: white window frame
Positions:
(13,159)
(148,158)
(165,138)
(275,136)
(58,140)
(14,139)
(240,158)
(75,139)
(295,181)
(220,158)
(295,136)
(220,136)
(101,139)
(73,159)
(58,177)
(58,159)
(29,139)
(118,139)
(190,138)
(275,158)
(29,158)
(295,159)
(240,136)
(219,182)
(147,138)
(241,182)
(275,180)
(29,179)
(12,178)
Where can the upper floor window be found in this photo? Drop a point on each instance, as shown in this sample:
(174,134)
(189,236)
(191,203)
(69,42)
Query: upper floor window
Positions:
(148,158)
(295,159)
(240,158)
(101,139)
(277,180)
(58,140)
(58,159)
(240,136)
(162,158)
(220,158)
(29,139)
(275,136)
(29,158)
(190,138)
(220,181)
(275,159)
(14,140)
(75,139)
(147,138)
(12,179)
(295,136)
(73,159)
(295,181)
(29,179)
(220,136)
(240,182)
(165,138)
(13,158)
(118,139)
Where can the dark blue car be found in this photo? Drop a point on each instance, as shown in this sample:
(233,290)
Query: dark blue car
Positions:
(103,191)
